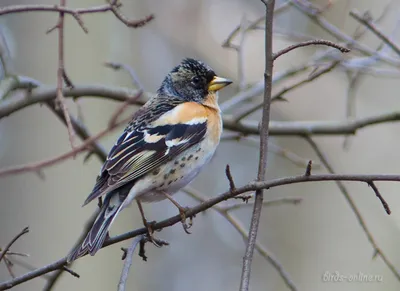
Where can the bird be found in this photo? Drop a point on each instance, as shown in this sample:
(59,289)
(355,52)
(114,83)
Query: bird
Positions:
(162,149)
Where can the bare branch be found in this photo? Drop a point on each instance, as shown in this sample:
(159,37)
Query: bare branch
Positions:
(136,83)
(7,247)
(378,194)
(230,178)
(40,165)
(75,274)
(264,135)
(252,186)
(290,128)
(308,169)
(60,75)
(279,96)
(308,43)
(366,20)
(276,128)
(113,6)
(339,35)
(81,131)
(128,262)
(271,202)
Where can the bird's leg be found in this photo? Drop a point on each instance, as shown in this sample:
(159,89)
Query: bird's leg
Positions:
(182,211)
(147,225)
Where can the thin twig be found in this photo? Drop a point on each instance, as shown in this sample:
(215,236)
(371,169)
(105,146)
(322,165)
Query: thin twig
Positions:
(128,262)
(113,6)
(274,148)
(308,169)
(266,203)
(230,178)
(279,96)
(7,247)
(9,266)
(240,53)
(60,75)
(378,194)
(135,80)
(228,42)
(75,274)
(308,43)
(81,131)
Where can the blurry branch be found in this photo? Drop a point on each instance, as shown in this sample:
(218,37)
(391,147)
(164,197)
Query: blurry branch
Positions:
(262,250)
(113,6)
(79,128)
(358,64)
(7,247)
(136,83)
(355,76)
(128,262)
(241,55)
(263,158)
(377,251)
(250,187)
(8,78)
(271,202)
(251,26)
(38,166)
(313,14)
(279,96)
(273,148)
(61,74)
(82,132)
(291,128)
(6,253)
(366,19)
(378,194)
(43,94)
(277,128)
(313,76)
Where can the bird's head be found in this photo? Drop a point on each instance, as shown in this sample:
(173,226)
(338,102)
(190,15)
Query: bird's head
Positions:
(192,80)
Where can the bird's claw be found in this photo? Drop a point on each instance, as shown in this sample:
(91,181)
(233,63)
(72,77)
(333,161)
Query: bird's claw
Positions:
(149,234)
(182,213)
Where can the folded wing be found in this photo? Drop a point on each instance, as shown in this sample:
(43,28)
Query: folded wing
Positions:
(141,150)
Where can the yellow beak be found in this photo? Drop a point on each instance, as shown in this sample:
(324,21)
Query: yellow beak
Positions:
(218,83)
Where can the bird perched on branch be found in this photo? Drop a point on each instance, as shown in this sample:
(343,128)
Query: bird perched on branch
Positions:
(162,149)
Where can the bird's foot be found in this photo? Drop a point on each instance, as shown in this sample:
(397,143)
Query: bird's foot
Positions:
(150,232)
(182,213)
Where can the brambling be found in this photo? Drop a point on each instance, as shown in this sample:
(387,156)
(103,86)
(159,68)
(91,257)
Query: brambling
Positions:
(163,148)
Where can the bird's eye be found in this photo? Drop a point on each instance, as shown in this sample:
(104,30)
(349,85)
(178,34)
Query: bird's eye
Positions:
(196,80)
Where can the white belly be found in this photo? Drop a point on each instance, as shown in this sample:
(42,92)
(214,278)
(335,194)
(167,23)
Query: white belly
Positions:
(176,174)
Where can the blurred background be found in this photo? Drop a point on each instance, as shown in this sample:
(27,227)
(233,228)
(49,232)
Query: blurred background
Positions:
(319,235)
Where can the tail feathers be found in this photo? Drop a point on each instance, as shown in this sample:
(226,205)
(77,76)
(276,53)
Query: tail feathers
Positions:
(96,236)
